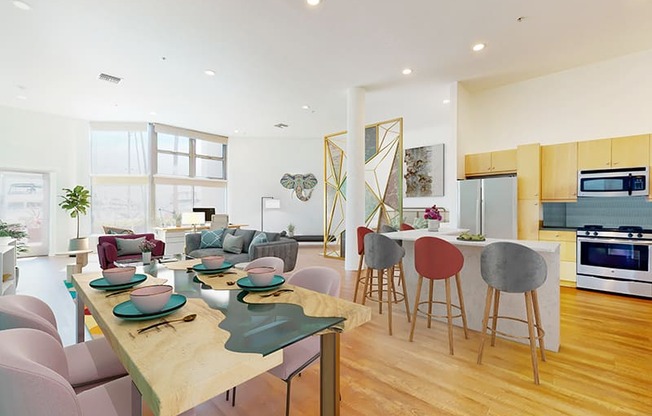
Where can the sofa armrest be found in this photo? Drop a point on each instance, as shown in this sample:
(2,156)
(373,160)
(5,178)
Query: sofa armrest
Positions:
(285,248)
(193,241)
(159,249)
(107,254)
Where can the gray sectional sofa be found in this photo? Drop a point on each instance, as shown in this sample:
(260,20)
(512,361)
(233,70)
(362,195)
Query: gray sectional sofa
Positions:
(276,246)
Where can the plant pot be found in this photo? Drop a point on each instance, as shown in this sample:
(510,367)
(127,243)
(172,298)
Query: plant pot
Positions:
(147,257)
(78,244)
(433,225)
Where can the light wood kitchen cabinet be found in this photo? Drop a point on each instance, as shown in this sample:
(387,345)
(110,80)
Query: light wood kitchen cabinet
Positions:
(528,171)
(618,152)
(490,163)
(567,251)
(559,172)
(528,219)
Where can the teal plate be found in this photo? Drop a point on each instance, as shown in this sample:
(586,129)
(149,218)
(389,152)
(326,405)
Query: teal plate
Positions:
(127,310)
(200,268)
(245,283)
(103,284)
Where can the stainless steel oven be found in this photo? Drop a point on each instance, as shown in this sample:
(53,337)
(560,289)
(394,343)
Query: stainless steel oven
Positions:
(615,260)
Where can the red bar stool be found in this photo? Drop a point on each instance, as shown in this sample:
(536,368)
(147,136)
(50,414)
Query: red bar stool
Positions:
(362,231)
(436,259)
(513,268)
(406,227)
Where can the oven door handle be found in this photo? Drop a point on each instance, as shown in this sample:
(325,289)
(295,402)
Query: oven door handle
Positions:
(615,240)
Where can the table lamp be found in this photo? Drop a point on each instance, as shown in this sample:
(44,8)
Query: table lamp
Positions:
(193,218)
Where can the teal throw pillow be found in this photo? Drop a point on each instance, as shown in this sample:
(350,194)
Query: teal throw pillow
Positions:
(258,239)
(127,246)
(232,244)
(211,238)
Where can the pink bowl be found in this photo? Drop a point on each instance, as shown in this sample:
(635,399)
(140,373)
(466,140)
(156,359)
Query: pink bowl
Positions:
(212,262)
(261,276)
(151,299)
(119,275)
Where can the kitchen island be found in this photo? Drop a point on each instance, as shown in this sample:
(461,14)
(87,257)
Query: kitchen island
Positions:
(475,289)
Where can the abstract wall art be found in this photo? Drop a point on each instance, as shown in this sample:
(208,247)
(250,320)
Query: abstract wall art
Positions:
(424,171)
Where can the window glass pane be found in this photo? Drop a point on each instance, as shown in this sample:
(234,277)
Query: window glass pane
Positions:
(173,164)
(210,197)
(173,143)
(119,152)
(209,168)
(208,148)
(120,206)
(171,201)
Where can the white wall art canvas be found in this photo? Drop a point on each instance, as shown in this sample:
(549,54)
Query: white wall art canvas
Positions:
(424,171)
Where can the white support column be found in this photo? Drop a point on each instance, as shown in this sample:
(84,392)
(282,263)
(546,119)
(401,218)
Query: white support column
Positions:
(355,173)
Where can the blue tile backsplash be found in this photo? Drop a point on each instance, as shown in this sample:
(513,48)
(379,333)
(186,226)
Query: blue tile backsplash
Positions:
(610,212)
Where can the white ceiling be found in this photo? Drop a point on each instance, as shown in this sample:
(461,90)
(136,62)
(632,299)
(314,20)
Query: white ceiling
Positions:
(273,56)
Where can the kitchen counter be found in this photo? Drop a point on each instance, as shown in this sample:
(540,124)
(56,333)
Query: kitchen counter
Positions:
(475,289)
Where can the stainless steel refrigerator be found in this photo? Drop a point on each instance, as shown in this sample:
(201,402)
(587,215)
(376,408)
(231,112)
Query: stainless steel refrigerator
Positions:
(488,206)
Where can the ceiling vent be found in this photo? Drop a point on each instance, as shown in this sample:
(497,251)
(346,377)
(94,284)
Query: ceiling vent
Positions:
(281,125)
(109,78)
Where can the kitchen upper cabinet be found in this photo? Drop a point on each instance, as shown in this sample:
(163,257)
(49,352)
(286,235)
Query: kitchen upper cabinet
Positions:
(618,152)
(559,172)
(528,171)
(490,163)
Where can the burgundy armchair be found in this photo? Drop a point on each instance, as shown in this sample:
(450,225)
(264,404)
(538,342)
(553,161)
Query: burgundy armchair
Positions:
(107,249)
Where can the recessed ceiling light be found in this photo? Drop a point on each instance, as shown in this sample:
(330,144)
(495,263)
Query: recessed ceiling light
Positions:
(236,131)
(313,2)
(21,97)
(21,5)
(407,71)
(446,101)
(478,47)
(305,107)
(152,113)
(209,72)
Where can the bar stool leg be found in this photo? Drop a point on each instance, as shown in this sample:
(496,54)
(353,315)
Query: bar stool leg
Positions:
(380,290)
(530,330)
(391,276)
(390,288)
(357,279)
(449,316)
(460,296)
(405,293)
(431,293)
(416,308)
(366,284)
(485,322)
(494,323)
(537,317)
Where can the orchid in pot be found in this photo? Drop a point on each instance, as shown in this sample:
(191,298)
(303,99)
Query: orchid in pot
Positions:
(433,216)
(146,247)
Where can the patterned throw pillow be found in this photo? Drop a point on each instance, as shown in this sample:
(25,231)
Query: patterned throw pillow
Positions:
(232,244)
(211,238)
(258,239)
(128,246)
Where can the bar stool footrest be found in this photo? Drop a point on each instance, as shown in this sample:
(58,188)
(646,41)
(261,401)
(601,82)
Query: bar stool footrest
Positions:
(425,302)
(540,331)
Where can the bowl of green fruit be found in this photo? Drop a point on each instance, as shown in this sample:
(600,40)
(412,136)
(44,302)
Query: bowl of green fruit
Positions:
(471,237)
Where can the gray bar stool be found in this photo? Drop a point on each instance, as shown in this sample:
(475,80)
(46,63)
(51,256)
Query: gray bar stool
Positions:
(513,268)
(384,254)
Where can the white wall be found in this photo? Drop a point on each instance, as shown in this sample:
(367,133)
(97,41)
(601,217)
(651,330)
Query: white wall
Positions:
(607,99)
(41,142)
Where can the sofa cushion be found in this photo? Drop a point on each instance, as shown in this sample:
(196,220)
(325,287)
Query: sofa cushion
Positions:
(273,236)
(211,238)
(259,238)
(128,246)
(233,244)
(247,236)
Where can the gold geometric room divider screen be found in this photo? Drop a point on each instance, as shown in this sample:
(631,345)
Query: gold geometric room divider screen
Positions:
(383,182)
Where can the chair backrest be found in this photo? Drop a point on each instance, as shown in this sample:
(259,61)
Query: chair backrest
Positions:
(111,238)
(435,258)
(33,376)
(20,311)
(511,267)
(317,278)
(406,227)
(381,252)
(277,263)
(362,231)
(219,221)
(387,229)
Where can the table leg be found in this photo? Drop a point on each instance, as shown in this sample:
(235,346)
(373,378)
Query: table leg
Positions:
(330,374)
(81,260)
(136,401)
(80,320)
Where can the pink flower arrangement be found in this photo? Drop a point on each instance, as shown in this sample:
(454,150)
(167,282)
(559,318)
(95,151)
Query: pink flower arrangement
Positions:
(432,213)
(147,245)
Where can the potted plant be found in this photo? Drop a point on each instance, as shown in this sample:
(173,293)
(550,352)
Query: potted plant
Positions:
(146,247)
(433,216)
(76,201)
(14,231)
(291,230)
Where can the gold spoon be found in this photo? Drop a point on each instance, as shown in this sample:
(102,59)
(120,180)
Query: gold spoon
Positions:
(187,318)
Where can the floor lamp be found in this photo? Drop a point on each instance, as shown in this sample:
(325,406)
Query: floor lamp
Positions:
(267,202)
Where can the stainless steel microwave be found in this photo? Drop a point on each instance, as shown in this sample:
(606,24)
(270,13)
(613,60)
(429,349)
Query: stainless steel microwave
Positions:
(613,182)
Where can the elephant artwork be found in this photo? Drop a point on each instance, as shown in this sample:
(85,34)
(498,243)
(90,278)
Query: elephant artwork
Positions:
(302,185)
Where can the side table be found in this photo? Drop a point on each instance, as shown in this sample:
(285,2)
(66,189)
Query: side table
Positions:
(81,260)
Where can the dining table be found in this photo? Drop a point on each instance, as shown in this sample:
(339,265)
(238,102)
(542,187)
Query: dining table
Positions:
(236,335)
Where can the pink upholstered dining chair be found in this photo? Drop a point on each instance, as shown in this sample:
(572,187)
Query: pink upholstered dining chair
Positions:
(277,263)
(89,363)
(34,379)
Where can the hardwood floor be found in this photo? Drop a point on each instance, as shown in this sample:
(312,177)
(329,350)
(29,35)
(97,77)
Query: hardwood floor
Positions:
(604,366)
